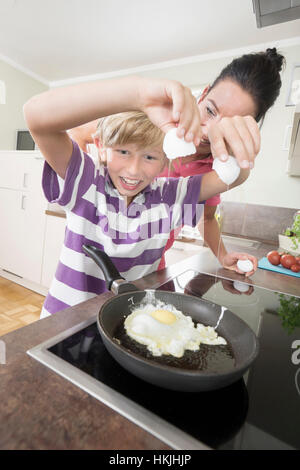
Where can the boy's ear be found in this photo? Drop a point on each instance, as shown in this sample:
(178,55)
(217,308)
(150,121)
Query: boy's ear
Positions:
(101,150)
(97,143)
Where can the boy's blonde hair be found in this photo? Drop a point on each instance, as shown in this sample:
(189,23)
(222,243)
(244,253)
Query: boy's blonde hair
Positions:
(133,127)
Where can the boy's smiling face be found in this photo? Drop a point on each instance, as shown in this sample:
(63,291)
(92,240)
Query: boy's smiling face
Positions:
(132,168)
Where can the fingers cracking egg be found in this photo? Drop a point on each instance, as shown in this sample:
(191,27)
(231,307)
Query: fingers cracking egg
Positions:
(175,147)
(167,330)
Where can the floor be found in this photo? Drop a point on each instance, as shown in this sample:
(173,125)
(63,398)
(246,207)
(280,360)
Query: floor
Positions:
(18,306)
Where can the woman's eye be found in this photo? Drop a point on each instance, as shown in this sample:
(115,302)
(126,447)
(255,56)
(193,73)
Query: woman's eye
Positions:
(210,112)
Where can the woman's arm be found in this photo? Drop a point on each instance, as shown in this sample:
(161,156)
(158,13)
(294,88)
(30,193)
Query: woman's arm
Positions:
(83,135)
(210,230)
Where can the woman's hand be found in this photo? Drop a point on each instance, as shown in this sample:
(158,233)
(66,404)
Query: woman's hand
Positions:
(238,136)
(168,104)
(230,262)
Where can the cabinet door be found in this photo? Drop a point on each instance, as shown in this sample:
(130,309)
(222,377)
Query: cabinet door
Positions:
(22,215)
(54,237)
(35,204)
(13,173)
(12,216)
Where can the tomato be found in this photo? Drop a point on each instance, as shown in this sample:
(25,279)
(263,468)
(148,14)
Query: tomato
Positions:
(273,257)
(297,258)
(287,261)
(295,268)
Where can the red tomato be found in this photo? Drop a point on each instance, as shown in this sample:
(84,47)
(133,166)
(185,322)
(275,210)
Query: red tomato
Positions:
(287,261)
(273,257)
(297,258)
(295,268)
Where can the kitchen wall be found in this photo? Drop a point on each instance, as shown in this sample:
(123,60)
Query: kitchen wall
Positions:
(19,88)
(269,183)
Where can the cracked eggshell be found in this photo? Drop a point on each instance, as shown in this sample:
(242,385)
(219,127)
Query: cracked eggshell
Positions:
(175,147)
(227,171)
(245,265)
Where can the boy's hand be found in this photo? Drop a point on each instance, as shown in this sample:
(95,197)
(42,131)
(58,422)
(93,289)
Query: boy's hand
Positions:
(168,103)
(238,136)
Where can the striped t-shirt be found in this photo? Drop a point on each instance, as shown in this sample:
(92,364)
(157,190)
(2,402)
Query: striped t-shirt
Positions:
(134,237)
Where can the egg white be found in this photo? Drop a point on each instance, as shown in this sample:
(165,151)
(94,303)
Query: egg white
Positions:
(168,338)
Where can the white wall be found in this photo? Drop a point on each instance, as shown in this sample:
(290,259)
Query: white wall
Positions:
(19,88)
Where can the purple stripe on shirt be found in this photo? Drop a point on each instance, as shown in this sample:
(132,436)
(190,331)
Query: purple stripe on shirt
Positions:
(79,280)
(53,305)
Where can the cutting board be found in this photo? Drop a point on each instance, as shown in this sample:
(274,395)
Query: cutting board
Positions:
(265,264)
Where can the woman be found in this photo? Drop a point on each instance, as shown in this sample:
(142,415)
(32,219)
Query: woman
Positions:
(247,80)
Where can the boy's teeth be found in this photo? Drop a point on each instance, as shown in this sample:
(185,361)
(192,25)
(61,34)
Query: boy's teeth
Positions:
(133,182)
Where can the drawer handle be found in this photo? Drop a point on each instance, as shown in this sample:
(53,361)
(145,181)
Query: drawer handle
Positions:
(25,180)
(23,203)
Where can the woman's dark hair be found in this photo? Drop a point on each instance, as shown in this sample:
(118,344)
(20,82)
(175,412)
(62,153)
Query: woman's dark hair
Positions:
(258,74)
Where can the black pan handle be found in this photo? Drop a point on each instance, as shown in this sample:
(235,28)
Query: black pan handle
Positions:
(110,272)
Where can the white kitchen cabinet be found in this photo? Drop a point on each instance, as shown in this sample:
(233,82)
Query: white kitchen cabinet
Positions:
(34,204)
(54,237)
(22,213)
(12,215)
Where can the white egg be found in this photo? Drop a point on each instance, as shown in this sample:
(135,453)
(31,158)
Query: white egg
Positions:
(240,286)
(245,265)
(166,330)
(175,147)
(227,171)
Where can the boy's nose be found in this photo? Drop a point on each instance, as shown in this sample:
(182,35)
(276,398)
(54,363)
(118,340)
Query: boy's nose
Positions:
(133,168)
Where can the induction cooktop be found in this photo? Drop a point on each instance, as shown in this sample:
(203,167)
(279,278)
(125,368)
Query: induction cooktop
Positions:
(260,411)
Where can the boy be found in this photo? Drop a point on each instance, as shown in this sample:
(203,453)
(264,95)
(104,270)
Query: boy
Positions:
(121,208)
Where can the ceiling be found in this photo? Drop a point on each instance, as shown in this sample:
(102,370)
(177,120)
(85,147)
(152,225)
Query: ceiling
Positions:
(61,40)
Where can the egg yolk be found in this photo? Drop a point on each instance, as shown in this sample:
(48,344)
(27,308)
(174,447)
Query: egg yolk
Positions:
(164,316)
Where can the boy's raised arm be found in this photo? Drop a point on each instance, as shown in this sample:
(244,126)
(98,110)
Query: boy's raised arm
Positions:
(50,114)
(211,184)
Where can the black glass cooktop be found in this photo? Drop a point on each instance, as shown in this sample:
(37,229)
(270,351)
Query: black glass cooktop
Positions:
(260,411)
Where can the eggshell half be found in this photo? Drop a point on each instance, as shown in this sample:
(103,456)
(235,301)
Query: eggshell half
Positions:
(175,147)
(227,171)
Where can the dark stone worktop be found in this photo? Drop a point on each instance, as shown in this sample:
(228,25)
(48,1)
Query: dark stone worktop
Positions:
(41,410)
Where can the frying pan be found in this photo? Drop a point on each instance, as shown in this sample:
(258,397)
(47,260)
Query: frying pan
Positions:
(241,338)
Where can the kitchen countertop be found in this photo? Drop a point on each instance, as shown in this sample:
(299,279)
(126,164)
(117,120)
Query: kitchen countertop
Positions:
(42,410)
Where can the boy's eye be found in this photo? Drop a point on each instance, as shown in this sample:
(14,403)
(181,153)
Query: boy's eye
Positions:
(149,157)
(123,152)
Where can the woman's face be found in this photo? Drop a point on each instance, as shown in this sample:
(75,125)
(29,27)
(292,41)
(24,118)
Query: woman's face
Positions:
(226,99)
